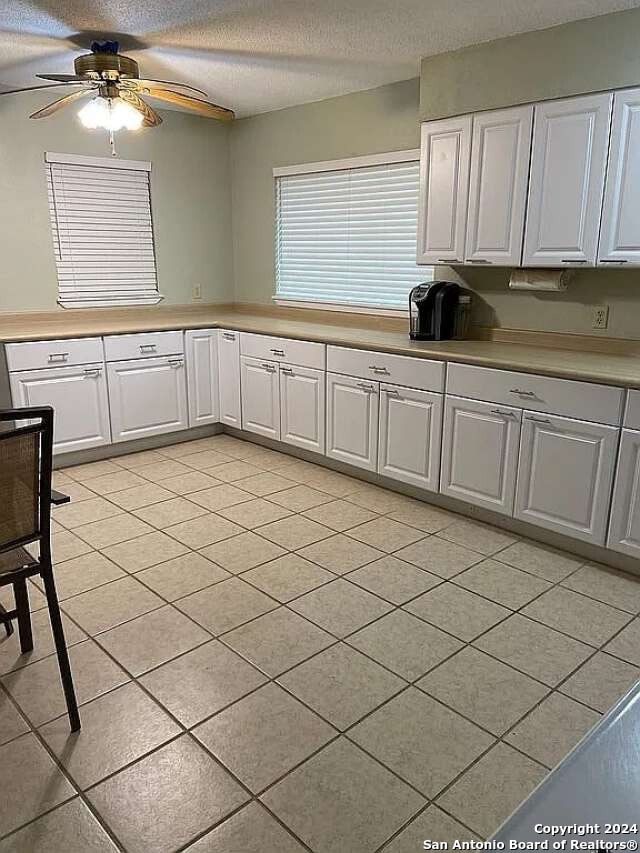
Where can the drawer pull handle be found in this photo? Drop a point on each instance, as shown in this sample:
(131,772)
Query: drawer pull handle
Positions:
(392,392)
(612,262)
(368,388)
(279,352)
(478,261)
(448,261)
(148,347)
(379,369)
(92,371)
(539,420)
(571,261)
(503,413)
(270,368)
(228,336)
(58,356)
(522,393)
(288,370)
(175,362)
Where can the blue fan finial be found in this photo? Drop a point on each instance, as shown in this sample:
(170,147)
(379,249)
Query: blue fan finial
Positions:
(105,47)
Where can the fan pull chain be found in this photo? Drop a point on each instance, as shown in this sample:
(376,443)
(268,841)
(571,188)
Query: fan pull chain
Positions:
(112,143)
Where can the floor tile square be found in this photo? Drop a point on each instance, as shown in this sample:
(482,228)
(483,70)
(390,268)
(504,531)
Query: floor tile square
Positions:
(116,482)
(294,532)
(502,584)
(66,545)
(187,448)
(426,744)
(386,534)
(182,576)
(341,685)
(93,509)
(203,531)
(83,573)
(71,828)
(490,791)
(226,605)
(393,579)
(228,472)
(341,799)
(158,472)
(434,824)
(480,537)
(202,682)
(90,470)
(202,459)
(265,483)
(152,639)
(340,515)
(12,723)
(583,618)
(442,558)
(75,491)
(219,497)
(287,577)
(254,513)
(107,606)
(457,611)
(265,458)
(627,644)
(251,830)
(264,735)
(278,640)
(338,485)
(552,729)
(110,531)
(188,791)
(169,512)
(38,690)
(30,783)
(190,482)
(492,694)
(541,560)
(601,681)
(534,649)
(242,552)
(404,644)
(133,461)
(378,499)
(140,496)
(299,498)
(117,728)
(340,607)
(423,516)
(340,554)
(604,584)
(144,551)
(12,658)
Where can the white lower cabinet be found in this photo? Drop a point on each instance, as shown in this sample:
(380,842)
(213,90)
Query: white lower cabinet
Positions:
(624,528)
(260,397)
(79,399)
(229,378)
(201,348)
(352,421)
(565,475)
(148,396)
(409,438)
(302,409)
(480,453)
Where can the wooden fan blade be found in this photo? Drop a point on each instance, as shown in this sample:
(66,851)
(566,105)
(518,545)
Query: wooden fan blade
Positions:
(64,78)
(195,104)
(134,82)
(53,107)
(150,116)
(36,88)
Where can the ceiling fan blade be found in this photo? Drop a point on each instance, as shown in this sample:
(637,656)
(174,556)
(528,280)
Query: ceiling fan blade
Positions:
(202,107)
(150,116)
(136,83)
(64,78)
(53,107)
(36,88)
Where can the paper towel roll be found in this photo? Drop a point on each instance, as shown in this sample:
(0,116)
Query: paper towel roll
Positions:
(533,279)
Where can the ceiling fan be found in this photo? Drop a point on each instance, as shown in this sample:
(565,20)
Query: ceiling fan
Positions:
(114,82)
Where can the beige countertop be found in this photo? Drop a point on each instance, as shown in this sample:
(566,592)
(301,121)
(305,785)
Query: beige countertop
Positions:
(620,367)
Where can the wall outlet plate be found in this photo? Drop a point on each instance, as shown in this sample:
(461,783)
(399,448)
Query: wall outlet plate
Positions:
(196,293)
(599,316)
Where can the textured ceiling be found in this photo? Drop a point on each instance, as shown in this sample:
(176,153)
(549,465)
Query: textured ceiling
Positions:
(259,55)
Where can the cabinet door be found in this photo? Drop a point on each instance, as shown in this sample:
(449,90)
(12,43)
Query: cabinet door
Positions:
(444,186)
(570,140)
(260,397)
(148,397)
(500,155)
(202,376)
(352,421)
(624,528)
(620,230)
(410,433)
(79,399)
(302,418)
(565,474)
(229,377)
(480,453)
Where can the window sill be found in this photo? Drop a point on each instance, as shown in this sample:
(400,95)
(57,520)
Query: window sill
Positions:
(342,307)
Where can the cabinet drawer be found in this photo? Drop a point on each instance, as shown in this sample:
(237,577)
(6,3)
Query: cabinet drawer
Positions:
(583,400)
(121,347)
(304,353)
(632,415)
(63,353)
(397,369)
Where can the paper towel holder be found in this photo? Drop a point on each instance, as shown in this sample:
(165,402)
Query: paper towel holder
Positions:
(545,280)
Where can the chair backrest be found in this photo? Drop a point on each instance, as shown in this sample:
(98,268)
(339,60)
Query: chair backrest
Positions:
(26,460)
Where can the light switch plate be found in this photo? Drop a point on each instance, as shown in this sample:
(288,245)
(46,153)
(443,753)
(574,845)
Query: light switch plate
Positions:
(196,293)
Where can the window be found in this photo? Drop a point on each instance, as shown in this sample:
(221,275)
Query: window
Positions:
(102,231)
(346,232)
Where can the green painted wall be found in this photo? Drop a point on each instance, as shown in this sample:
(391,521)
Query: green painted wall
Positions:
(190,199)
(583,56)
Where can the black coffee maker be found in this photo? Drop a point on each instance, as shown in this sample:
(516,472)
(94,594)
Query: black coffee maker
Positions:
(435,311)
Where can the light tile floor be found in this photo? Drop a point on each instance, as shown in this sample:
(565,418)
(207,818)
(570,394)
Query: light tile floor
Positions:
(275,657)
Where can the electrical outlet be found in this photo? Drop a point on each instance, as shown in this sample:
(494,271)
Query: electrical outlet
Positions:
(599,316)
(196,293)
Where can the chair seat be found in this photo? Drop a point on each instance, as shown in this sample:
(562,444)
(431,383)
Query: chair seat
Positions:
(14,560)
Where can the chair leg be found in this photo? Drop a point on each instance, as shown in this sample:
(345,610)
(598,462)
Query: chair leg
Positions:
(8,623)
(24,615)
(61,648)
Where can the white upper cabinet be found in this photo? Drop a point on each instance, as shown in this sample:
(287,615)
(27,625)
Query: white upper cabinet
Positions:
(260,397)
(229,377)
(624,529)
(444,184)
(202,376)
(568,161)
(620,230)
(500,154)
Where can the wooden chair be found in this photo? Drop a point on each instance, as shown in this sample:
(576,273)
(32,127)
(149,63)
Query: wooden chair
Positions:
(26,461)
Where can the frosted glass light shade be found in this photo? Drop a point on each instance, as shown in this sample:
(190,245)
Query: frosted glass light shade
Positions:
(111,114)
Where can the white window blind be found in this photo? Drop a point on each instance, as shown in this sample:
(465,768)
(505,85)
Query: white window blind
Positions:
(102,231)
(348,236)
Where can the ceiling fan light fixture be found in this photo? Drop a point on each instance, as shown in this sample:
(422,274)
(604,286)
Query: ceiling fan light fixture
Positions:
(112,114)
